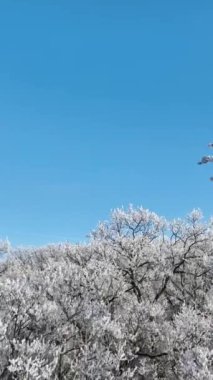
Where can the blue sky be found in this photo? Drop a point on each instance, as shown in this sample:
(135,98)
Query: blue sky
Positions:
(102,104)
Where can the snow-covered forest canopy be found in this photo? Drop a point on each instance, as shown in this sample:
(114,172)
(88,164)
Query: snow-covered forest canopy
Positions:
(135,302)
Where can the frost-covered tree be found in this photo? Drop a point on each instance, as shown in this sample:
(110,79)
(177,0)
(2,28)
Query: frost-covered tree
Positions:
(133,303)
(206,159)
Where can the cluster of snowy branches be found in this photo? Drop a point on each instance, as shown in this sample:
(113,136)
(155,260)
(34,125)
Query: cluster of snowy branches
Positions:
(136,302)
(207,159)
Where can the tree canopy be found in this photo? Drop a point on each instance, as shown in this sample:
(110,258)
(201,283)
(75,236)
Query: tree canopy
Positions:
(135,302)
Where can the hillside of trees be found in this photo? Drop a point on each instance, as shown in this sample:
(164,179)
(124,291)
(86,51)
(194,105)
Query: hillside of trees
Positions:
(135,302)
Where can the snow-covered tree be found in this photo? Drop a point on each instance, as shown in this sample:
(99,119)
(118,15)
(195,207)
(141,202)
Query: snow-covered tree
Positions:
(207,159)
(133,303)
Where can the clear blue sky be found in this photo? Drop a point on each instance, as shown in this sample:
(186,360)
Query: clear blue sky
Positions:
(102,104)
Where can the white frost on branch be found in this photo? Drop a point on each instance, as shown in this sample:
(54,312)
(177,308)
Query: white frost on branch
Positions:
(134,303)
(205,160)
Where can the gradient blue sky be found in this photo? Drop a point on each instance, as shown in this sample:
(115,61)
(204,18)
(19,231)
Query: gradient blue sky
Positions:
(102,104)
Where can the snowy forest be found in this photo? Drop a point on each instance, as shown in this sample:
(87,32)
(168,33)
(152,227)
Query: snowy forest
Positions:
(135,302)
